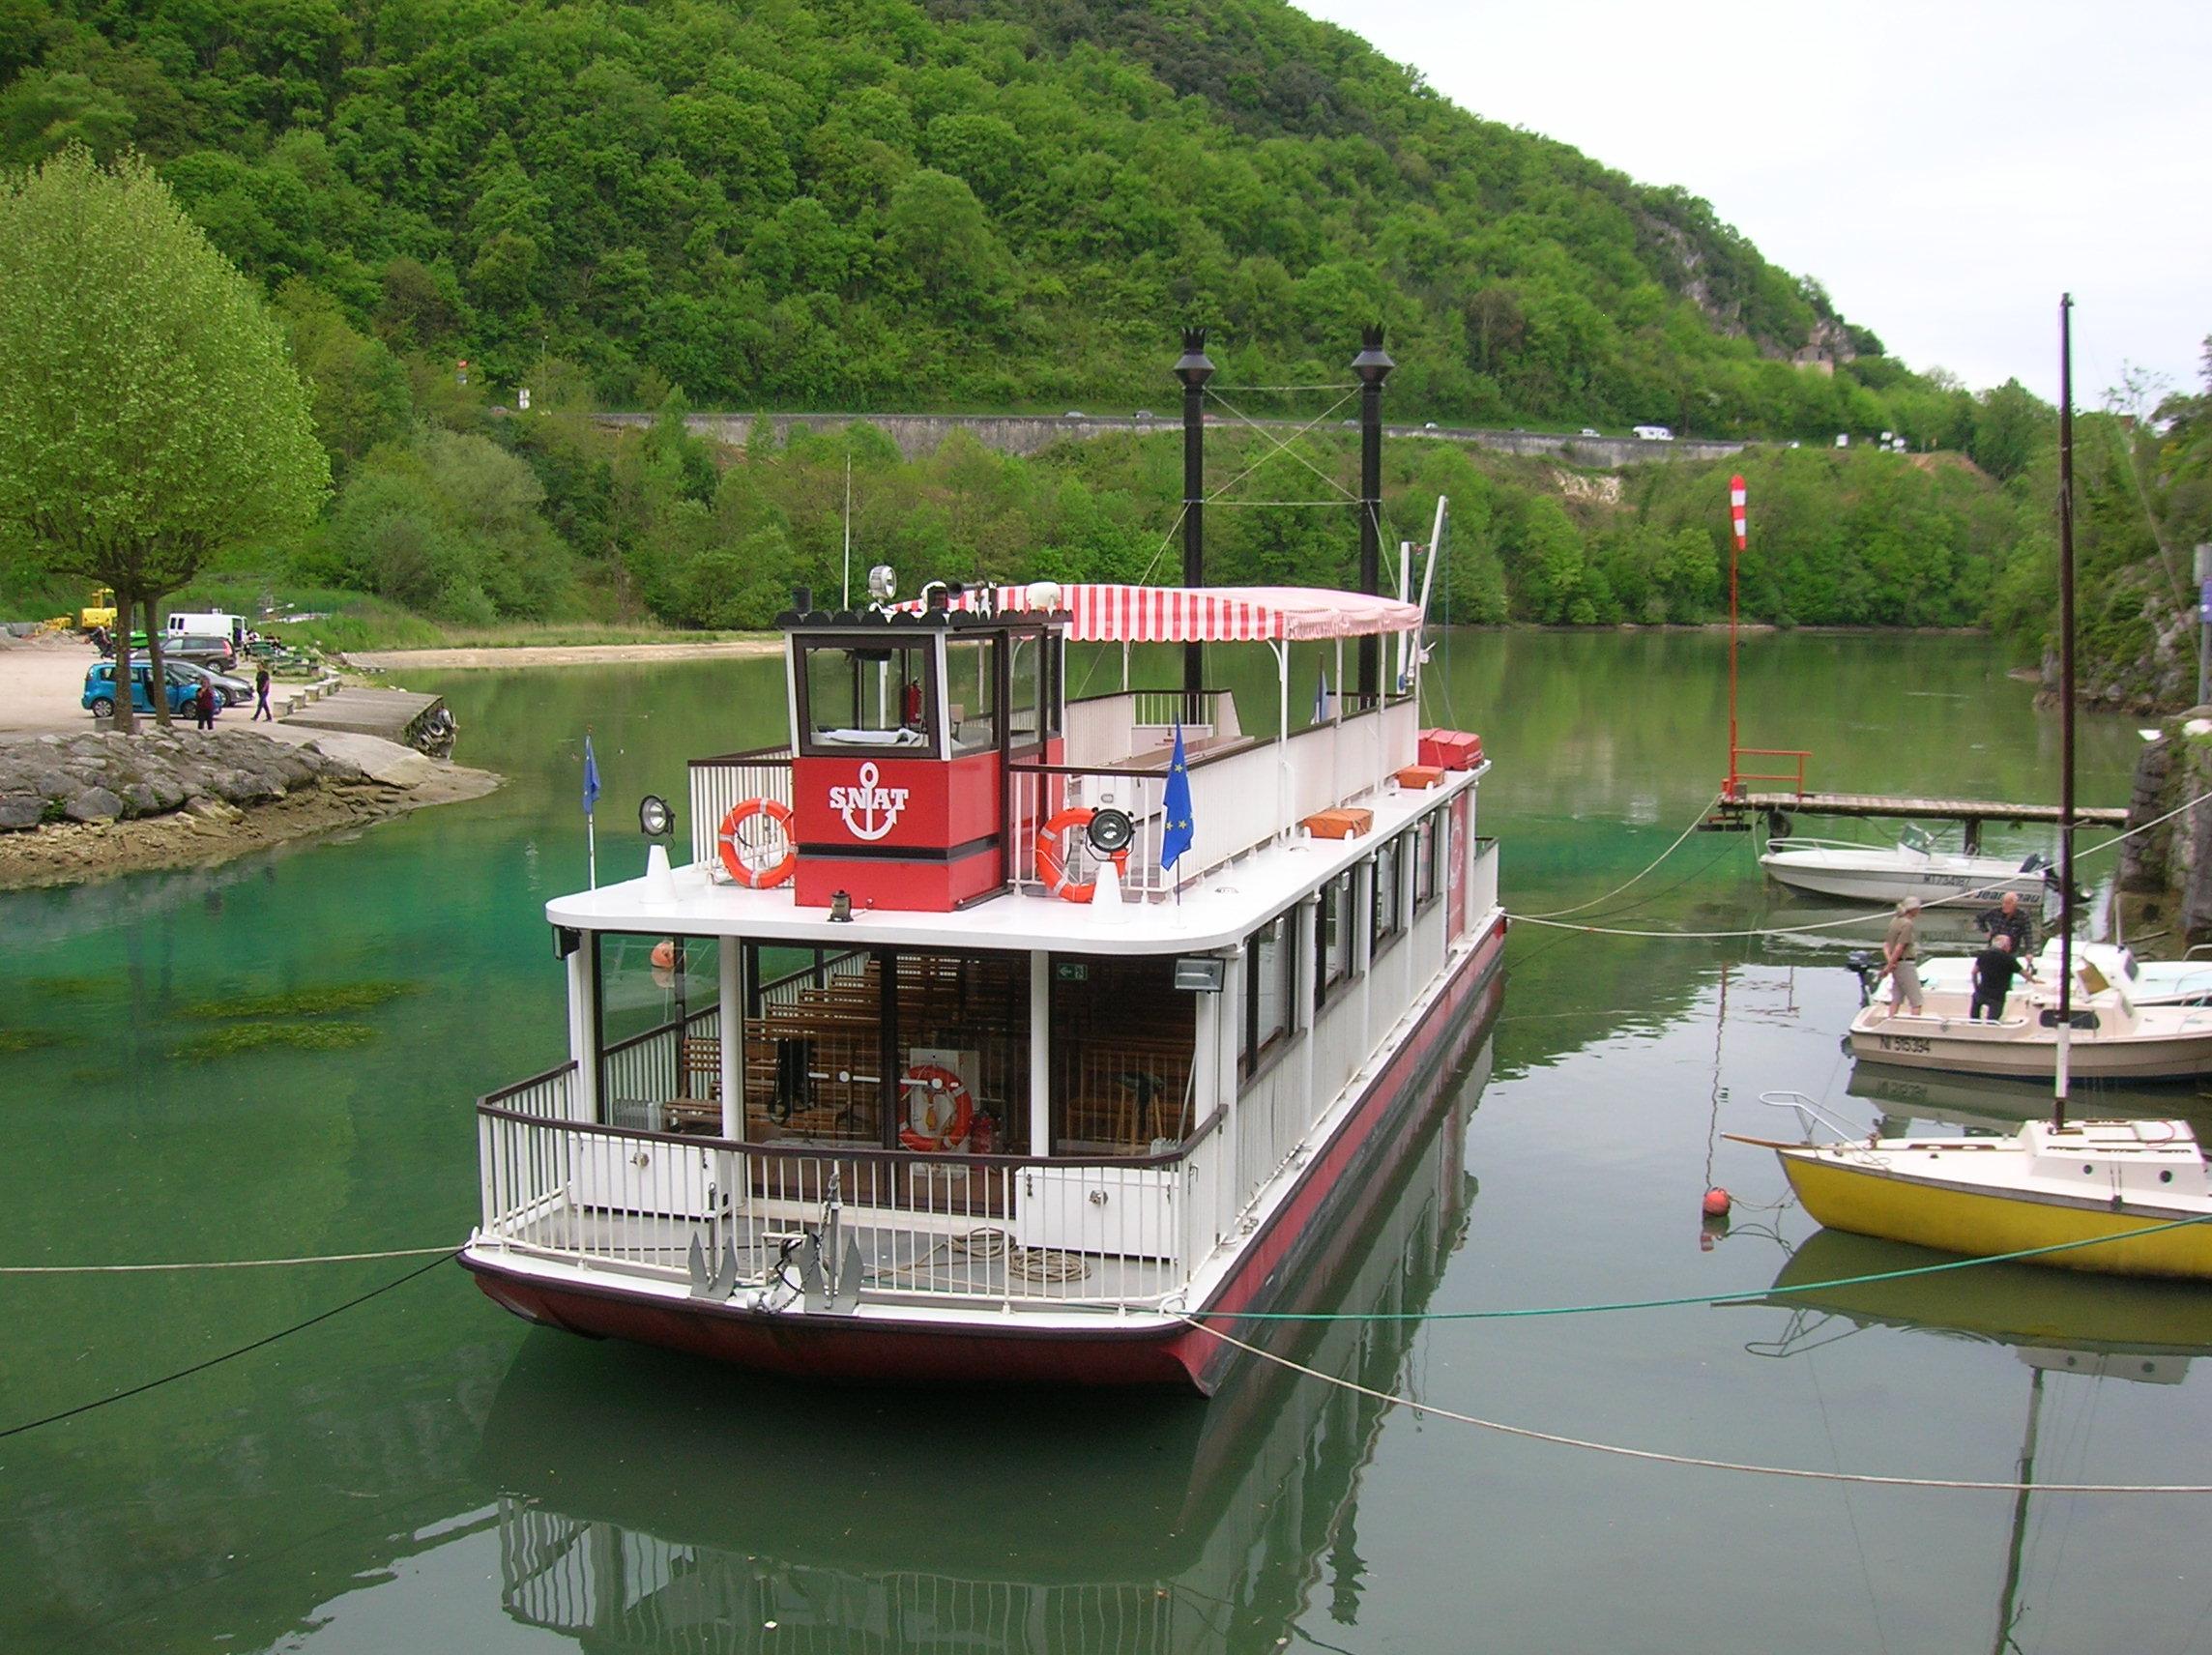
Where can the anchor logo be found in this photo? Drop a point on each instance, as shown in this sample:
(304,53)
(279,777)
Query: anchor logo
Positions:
(877,807)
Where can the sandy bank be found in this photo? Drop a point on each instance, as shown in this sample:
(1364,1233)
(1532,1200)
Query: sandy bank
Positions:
(566,655)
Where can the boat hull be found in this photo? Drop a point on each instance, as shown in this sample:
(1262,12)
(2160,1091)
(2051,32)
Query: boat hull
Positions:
(1955,1046)
(1875,1201)
(1291,1255)
(1810,871)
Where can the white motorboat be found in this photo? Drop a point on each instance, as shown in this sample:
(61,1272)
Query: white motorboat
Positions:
(2113,1035)
(1912,868)
(2149,982)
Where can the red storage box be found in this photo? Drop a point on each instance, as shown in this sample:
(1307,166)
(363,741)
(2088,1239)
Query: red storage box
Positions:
(1339,824)
(1420,775)
(1452,749)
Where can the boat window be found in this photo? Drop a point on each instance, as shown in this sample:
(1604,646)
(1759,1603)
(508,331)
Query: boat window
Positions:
(1332,937)
(1025,691)
(1427,840)
(1388,910)
(864,696)
(1120,1056)
(923,1051)
(972,692)
(1270,976)
(660,1053)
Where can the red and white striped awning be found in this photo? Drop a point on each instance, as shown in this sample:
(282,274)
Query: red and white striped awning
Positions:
(1213,614)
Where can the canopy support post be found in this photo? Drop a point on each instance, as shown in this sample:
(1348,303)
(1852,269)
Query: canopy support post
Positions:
(1282,649)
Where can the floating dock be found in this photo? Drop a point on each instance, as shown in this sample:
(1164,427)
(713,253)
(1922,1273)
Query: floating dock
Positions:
(1971,812)
(395,715)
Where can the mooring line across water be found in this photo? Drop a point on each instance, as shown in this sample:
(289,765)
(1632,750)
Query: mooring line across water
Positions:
(227,1355)
(1753,1295)
(219,1264)
(1698,1462)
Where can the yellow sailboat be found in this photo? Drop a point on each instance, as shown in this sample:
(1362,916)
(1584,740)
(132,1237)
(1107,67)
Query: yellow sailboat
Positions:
(2120,1197)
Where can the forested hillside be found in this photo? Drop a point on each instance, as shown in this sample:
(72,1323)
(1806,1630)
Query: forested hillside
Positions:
(971,203)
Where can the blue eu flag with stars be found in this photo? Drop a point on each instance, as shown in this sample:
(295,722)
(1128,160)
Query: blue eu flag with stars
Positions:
(1176,805)
(591,777)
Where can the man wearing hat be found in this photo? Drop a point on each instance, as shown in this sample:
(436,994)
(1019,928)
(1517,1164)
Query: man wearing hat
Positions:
(1901,958)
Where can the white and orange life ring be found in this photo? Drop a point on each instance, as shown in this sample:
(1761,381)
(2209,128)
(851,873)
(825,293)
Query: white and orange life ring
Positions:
(943,1111)
(1051,855)
(733,849)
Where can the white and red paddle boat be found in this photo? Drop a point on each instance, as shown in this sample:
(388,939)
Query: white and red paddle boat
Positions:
(998,1033)
(990,1034)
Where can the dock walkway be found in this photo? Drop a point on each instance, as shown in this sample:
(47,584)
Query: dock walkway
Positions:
(393,714)
(1971,812)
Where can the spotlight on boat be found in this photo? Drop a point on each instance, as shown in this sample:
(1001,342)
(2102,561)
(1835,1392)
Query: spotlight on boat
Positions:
(1110,831)
(1201,973)
(883,584)
(655,818)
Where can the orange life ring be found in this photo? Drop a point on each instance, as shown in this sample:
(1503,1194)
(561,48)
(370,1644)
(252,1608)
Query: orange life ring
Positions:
(732,852)
(935,1136)
(1052,857)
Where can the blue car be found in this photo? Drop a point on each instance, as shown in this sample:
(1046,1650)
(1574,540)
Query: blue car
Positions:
(100,690)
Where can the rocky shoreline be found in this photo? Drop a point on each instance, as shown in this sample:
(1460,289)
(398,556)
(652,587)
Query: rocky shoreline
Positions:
(75,807)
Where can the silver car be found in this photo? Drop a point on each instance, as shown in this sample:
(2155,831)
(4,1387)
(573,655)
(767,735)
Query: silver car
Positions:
(230,690)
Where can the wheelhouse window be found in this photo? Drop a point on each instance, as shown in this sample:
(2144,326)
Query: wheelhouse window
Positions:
(1389,913)
(1333,935)
(972,692)
(865,695)
(1427,837)
(1032,691)
(1270,979)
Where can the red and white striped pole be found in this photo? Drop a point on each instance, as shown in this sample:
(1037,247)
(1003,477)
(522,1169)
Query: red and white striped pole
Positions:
(1735,554)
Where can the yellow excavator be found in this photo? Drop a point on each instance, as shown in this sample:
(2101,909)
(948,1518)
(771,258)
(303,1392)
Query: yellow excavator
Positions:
(99,612)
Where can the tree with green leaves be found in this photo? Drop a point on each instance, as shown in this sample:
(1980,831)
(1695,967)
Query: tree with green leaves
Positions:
(150,417)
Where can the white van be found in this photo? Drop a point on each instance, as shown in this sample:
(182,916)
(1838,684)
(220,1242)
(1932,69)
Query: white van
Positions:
(214,621)
(1654,433)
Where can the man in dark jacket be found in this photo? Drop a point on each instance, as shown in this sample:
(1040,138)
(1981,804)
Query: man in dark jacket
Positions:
(1994,968)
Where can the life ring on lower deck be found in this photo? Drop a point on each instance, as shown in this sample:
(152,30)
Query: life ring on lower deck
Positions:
(1051,855)
(936,1131)
(732,849)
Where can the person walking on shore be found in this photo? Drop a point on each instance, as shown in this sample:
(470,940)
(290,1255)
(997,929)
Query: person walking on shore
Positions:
(1901,958)
(261,695)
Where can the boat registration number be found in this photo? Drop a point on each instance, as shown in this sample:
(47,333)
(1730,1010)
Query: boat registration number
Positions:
(1905,1043)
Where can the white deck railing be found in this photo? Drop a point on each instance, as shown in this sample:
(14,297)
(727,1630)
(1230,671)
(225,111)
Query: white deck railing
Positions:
(998,1230)
(718,784)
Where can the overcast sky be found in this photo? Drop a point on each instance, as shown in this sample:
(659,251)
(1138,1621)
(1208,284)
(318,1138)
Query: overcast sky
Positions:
(1945,169)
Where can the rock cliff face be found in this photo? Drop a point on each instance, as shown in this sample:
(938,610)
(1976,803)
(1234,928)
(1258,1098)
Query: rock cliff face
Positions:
(2172,861)
(108,776)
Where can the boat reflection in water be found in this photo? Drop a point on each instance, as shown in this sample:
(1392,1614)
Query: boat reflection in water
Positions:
(2112,1327)
(656,1502)
(1991,1102)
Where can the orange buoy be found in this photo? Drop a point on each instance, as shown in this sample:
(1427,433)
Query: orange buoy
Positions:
(1717,1202)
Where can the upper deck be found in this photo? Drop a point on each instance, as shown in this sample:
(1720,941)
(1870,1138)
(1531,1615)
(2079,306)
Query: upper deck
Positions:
(938,789)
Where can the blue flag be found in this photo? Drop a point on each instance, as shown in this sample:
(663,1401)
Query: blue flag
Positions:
(1321,699)
(591,777)
(1175,806)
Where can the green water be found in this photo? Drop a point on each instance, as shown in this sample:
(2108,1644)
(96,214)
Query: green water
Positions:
(424,1473)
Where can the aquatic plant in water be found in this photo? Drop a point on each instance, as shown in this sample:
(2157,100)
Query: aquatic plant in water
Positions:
(257,1037)
(305,1001)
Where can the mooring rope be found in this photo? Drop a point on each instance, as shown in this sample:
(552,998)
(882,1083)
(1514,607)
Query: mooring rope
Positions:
(219,1264)
(1695,820)
(1698,1462)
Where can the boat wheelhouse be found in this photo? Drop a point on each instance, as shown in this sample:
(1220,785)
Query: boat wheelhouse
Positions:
(991,1033)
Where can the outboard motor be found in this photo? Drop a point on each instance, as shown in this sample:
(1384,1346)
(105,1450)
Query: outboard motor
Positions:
(1869,967)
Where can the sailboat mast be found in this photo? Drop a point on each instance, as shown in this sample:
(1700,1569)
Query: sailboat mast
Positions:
(2008,1600)
(2065,696)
